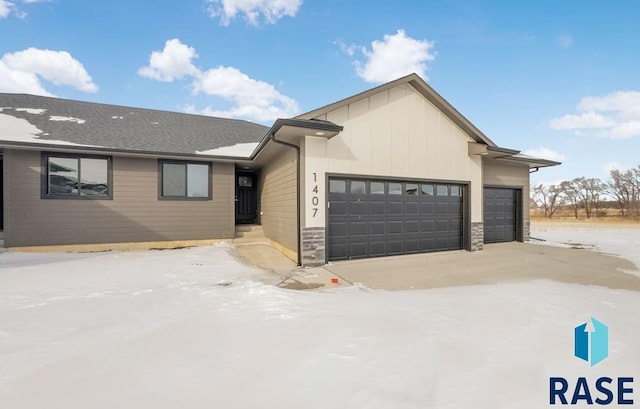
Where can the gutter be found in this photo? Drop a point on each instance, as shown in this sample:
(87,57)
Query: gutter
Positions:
(298,194)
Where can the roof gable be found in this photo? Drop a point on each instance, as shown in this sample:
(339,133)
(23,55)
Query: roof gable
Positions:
(425,90)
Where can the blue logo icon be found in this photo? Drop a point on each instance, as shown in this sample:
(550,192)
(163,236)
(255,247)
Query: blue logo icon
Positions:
(591,342)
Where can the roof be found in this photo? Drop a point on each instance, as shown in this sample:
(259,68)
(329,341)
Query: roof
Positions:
(63,121)
(423,88)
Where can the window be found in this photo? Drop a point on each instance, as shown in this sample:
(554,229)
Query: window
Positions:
(68,176)
(358,186)
(182,180)
(411,188)
(377,188)
(441,190)
(337,186)
(245,181)
(427,190)
(395,188)
(455,190)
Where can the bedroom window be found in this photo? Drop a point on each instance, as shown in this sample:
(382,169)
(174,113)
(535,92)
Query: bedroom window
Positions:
(185,180)
(68,176)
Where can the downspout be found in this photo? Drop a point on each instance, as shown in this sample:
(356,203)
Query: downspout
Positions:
(298,195)
(533,170)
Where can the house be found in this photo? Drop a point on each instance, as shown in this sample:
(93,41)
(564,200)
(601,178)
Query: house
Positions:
(393,170)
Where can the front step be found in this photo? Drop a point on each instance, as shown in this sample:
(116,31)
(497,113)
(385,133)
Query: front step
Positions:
(249,230)
(249,234)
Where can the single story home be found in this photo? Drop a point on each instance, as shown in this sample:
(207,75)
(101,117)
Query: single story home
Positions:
(392,170)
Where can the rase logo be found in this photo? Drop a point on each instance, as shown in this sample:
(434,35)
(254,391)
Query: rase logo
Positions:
(591,344)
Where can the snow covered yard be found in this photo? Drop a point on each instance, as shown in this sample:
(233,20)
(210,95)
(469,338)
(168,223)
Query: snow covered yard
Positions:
(193,328)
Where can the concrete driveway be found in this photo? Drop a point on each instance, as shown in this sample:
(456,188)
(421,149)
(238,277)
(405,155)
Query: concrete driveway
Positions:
(497,263)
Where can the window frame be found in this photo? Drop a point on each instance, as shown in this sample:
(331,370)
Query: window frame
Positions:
(209,197)
(44,184)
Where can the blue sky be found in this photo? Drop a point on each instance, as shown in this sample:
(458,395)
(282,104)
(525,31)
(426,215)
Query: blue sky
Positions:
(552,78)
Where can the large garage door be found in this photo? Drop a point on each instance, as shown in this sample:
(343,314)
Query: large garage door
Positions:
(500,221)
(374,218)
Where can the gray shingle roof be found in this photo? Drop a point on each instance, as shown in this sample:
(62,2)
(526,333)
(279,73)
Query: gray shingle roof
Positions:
(126,128)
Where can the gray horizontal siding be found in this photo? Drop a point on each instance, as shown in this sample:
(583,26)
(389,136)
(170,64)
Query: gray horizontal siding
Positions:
(134,215)
(278,199)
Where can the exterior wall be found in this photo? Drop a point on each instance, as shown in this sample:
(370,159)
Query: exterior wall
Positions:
(510,175)
(277,188)
(134,215)
(395,133)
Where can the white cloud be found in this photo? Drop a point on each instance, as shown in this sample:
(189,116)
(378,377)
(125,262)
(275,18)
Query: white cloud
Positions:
(20,82)
(253,99)
(615,115)
(565,40)
(348,49)
(5,8)
(172,63)
(395,56)
(587,120)
(58,67)
(253,11)
(545,153)
(22,71)
(8,7)
(250,98)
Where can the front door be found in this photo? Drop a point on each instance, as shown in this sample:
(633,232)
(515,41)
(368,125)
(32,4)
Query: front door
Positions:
(246,197)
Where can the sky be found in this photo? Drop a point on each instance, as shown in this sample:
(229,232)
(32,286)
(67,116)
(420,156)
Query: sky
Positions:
(554,79)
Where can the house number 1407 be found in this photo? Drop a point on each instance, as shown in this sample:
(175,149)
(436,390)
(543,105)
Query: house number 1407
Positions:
(314,199)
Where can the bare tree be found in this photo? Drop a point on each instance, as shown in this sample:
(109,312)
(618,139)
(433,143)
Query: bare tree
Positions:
(588,191)
(620,189)
(570,195)
(547,197)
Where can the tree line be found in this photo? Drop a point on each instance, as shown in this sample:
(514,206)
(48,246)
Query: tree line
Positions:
(591,195)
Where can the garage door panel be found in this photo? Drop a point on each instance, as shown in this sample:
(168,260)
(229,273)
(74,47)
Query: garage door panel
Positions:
(338,229)
(411,226)
(394,227)
(338,208)
(376,208)
(411,245)
(411,208)
(394,208)
(358,228)
(377,248)
(500,214)
(389,217)
(377,227)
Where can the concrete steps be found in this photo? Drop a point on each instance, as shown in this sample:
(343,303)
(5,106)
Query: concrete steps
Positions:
(249,234)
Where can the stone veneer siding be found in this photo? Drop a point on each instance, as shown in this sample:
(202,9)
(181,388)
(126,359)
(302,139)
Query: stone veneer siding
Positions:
(477,236)
(313,246)
(526,230)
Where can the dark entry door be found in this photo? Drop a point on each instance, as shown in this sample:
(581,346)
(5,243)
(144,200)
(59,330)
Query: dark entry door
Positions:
(500,217)
(246,197)
(374,218)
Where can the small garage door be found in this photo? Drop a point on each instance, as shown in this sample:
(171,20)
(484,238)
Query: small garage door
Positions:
(374,218)
(500,219)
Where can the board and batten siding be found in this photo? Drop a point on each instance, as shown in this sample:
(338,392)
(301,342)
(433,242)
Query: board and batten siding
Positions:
(135,214)
(277,191)
(508,175)
(395,133)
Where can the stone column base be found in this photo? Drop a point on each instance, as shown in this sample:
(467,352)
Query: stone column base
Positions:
(526,230)
(313,246)
(477,236)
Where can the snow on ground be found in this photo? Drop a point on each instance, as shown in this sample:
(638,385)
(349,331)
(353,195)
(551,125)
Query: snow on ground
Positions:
(622,240)
(193,328)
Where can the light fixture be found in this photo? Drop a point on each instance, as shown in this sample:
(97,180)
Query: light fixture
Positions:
(319,133)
